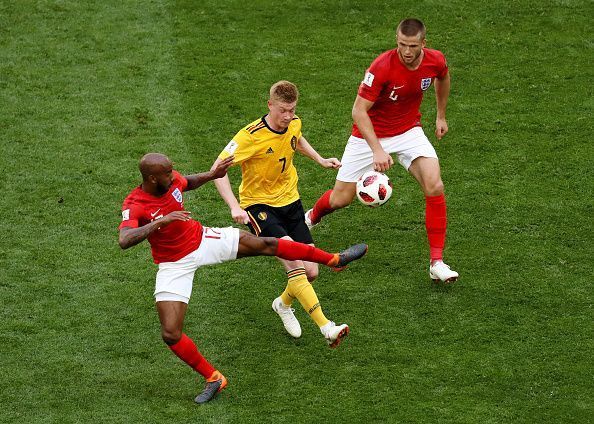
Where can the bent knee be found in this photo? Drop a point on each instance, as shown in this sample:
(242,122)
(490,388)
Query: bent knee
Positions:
(342,198)
(171,336)
(312,275)
(434,189)
(271,244)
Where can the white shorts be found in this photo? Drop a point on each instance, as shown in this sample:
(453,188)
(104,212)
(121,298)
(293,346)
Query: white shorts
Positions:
(358,158)
(174,279)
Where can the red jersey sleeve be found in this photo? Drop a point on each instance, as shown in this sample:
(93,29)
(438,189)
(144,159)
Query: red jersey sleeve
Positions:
(375,79)
(131,215)
(443,63)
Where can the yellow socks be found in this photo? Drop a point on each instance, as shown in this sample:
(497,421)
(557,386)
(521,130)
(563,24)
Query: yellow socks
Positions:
(299,288)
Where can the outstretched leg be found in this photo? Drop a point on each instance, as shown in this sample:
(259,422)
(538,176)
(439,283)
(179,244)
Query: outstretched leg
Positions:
(250,245)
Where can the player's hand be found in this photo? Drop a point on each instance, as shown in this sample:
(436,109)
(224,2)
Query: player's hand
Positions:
(221,169)
(441,128)
(331,163)
(239,215)
(382,161)
(175,216)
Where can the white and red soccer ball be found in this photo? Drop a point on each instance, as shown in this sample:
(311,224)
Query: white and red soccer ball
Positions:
(374,188)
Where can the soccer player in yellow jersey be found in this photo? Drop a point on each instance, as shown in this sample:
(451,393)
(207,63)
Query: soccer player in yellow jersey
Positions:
(269,200)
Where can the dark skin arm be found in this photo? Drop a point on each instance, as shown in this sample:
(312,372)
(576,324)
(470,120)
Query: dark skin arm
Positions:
(132,236)
(196,180)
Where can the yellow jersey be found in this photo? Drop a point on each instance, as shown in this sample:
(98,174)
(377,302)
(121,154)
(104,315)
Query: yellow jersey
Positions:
(268,175)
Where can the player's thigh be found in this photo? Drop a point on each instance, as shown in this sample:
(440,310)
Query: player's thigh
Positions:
(342,194)
(264,221)
(356,160)
(293,218)
(218,245)
(426,171)
(174,279)
(409,146)
(171,317)
(252,245)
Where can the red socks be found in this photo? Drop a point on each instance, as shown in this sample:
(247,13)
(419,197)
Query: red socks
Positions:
(321,208)
(187,351)
(436,223)
(291,250)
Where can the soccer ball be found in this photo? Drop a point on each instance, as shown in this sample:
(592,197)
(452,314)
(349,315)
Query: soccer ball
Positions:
(374,188)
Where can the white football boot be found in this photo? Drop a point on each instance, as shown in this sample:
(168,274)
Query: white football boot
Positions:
(439,271)
(334,333)
(287,317)
(308,221)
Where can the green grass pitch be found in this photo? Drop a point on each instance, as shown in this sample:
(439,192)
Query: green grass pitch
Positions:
(87,87)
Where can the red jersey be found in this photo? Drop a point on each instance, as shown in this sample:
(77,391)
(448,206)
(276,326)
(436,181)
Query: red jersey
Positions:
(171,242)
(397,91)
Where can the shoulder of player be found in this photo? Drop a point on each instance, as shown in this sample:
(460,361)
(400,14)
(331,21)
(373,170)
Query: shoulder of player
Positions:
(434,55)
(254,126)
(383,63)
(177,177)
(135,200)
(134,195)
(386,55)
(295,126)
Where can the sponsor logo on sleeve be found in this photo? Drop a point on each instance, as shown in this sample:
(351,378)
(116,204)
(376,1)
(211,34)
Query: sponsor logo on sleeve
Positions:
(368,80)
(231,147)
(126,215)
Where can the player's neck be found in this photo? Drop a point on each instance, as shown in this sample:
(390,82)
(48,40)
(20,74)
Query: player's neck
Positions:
(272,125)
(414,65)
(150,189)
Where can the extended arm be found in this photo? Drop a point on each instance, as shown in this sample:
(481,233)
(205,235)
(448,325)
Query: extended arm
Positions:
(307,149)
(442,92)
(132,236)
(218,170)
(223,186)
(381,160)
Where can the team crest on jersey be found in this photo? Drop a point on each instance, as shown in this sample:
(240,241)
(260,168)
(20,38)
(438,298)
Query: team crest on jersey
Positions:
(294,143)
(126,215)
(262,216)
(177,195)
(425,83)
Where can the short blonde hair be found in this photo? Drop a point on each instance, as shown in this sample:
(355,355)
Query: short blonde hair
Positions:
(284,91)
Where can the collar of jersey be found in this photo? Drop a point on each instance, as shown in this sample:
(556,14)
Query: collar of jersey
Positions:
(276,132)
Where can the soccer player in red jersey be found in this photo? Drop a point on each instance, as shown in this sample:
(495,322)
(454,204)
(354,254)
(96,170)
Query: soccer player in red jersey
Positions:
(387,120)
(180,245)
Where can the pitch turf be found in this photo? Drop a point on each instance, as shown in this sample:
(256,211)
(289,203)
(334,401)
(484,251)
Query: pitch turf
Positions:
(88,87)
